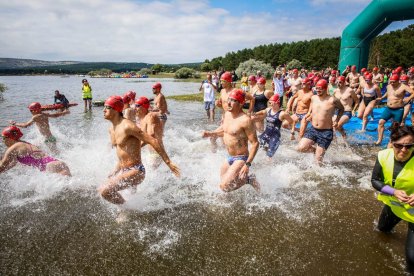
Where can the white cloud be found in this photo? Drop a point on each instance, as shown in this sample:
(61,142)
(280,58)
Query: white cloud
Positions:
(165,32)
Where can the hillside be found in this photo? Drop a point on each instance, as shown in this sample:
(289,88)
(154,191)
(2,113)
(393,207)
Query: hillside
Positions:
(15,63)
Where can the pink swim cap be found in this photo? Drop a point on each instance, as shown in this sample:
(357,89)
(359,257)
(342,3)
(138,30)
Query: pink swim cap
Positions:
(275,98)
(12,132)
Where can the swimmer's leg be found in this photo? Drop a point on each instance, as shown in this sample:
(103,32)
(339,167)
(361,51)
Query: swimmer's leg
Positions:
(58,167)
(110,190)
(230,180)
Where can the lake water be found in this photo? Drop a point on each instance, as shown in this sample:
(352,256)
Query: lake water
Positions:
(307,219)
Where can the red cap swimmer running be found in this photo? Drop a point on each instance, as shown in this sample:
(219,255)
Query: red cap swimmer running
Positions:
(27,154)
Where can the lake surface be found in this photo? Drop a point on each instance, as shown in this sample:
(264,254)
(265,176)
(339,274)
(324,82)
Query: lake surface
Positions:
(307,219)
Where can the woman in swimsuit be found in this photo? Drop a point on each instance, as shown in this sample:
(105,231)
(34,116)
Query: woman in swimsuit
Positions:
(371,93)
(261,97)
(27,154)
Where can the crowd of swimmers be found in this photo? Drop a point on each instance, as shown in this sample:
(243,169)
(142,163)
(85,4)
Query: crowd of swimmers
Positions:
(252,117)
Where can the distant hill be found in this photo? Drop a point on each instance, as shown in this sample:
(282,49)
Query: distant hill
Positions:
(14,66)
(16,63)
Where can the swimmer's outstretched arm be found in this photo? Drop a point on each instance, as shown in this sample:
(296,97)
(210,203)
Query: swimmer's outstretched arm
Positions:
(57,114)
(260,115)
(9,160)
(23,125)
(216,133)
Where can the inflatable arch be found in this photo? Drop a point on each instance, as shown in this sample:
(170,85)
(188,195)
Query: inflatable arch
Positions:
(357,36)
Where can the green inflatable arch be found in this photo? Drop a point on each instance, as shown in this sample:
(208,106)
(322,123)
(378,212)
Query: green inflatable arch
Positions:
(357,36)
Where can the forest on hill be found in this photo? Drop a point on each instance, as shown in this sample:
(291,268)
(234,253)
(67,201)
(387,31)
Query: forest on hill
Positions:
(391,49)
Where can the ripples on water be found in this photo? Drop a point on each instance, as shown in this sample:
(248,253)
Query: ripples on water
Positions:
(307,219)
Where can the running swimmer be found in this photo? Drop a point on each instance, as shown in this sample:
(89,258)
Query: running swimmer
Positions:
(22,152)
(261,97)
(237,131)
(41,119)
(320,114)
(129,112)
(160,104)
(371,94)
(274,117)
(126,137)
(150,123)
(395,104)
(349,100)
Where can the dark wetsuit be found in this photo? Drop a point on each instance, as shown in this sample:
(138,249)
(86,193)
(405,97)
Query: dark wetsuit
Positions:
(62,100)
(388,219)
(271,136)
(260,102)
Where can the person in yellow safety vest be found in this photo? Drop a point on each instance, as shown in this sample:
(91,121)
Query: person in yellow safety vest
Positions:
(87,94)
(393,176)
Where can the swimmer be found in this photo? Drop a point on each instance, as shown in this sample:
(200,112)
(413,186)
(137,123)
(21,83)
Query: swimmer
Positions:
(238,132)
(395,104)
(349,100)
(150,123)
(370,92)
(22,152)
(320,114)
(127,137)
(161,107)
(129,112)
(41,119)
(274,117)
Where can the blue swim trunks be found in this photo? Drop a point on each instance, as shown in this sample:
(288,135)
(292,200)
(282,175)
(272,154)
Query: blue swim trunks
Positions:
(209,105)
(322,137)
(395,113)
(231,159)
(300,116)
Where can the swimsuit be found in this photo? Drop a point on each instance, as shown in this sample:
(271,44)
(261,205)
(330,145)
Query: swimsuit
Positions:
(369,95)
(322,137)
(300,116)
(270,138)
(163,117)
(39,163)
(231,159)
(260,102)
(395,113)
(138,167)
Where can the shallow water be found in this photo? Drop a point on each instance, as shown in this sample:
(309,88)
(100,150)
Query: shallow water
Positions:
(307,219)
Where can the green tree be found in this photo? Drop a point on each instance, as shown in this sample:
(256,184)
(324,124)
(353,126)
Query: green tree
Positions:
(205,67)
(157,68)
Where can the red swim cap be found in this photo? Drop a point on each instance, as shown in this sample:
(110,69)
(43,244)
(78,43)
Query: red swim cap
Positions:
(322,83)
(12,132)
(404,78)
(126,98)
(412,70)
(333,79)
(399,69)
(275,98)
(295,70)
(35,107)
(115,102)
(311,75)
(131,95)
(333,72)
(306,81)
(157,86)
(368,76)
(375,69)
(316,79)
(394,77)
(142,101)
(341,78)
(226,76)
(238,95)
(261,81)
(363,70)
(252,78)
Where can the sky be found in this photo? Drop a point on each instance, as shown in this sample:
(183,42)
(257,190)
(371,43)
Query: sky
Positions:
(168,31)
